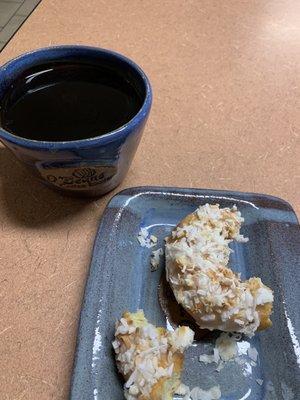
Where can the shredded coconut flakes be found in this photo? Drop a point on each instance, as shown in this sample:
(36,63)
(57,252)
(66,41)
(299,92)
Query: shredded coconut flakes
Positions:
(145,240)
(141,350)
(197,255)
(155,258)
(226,346)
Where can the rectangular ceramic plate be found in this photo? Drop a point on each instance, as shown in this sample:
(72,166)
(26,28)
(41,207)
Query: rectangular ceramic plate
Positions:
(120,279)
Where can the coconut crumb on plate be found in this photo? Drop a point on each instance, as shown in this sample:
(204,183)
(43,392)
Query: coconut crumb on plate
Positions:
(253,353)
(153,239)
(155,257)
(145,240)
(220,366)
(182,390)
(226,346)
(225,350)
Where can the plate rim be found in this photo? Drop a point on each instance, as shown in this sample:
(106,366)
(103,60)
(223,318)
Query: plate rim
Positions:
(239,193)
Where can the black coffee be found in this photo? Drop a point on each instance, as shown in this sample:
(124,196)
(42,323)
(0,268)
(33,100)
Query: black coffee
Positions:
(69,101)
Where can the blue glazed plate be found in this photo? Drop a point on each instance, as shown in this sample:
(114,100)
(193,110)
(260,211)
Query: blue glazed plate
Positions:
(120,279)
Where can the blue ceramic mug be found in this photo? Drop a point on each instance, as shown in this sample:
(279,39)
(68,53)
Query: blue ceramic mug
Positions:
(91,166)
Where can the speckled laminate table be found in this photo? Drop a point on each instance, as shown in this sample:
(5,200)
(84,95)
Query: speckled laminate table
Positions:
(226,115)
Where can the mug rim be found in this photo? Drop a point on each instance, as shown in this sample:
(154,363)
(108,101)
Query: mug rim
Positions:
(108,137)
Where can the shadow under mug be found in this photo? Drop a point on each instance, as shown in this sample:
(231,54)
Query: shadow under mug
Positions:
(88,167)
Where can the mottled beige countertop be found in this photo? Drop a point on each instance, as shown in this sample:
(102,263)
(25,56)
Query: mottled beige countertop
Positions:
(226,115)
